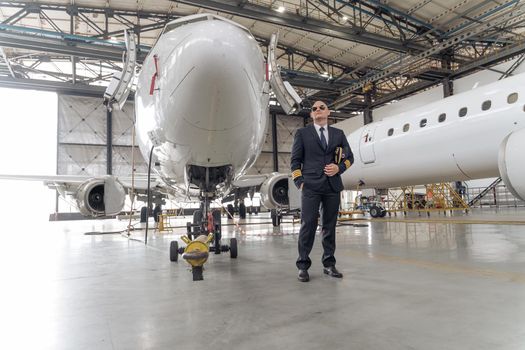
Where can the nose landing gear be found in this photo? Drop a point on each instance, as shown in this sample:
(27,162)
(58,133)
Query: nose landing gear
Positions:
(200,234)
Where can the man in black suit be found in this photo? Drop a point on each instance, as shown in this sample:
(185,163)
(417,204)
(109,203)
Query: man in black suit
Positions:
(317,174)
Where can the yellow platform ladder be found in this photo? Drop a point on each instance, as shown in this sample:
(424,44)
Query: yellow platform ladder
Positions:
(163,226)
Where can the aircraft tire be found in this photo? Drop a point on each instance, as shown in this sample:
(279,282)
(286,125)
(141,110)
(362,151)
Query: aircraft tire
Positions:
(143,214)
(276,218)
(231,211)
(156,212)
(233,248)
(197,220)
(375,212)
(242,211)
(174,251)
(217,222)
(197,216)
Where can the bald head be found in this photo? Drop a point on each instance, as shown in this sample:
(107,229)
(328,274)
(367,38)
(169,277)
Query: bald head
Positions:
(320,113)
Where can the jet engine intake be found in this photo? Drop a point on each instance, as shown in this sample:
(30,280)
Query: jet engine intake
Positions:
(100,197)
(510,163)
(274,191)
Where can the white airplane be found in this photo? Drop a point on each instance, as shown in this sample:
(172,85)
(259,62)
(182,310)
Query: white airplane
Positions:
(471,135)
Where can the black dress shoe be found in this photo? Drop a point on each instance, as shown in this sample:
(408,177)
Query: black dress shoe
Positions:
(303,276)
(332,271)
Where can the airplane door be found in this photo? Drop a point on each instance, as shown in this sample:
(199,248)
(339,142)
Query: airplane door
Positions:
(366,144)
(288,98)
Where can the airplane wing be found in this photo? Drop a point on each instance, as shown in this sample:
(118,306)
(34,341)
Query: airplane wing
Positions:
(250,180)
(47,178)
(72,182)
(99,195)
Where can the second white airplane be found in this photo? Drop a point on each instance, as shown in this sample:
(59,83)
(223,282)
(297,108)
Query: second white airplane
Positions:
(471,135)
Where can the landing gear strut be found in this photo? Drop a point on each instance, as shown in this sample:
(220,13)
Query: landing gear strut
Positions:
(276,216)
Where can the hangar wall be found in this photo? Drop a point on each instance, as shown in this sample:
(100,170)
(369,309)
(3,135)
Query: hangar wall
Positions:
(82,138)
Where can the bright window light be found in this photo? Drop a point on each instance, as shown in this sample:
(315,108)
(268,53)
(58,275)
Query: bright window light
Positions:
(27,147)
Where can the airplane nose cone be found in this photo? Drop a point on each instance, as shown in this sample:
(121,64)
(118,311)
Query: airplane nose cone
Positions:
(202,91)
(219,64)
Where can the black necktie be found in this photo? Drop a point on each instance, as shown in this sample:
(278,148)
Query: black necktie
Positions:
(323,139)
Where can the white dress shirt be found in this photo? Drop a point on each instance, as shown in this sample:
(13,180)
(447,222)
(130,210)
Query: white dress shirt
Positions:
(325,131)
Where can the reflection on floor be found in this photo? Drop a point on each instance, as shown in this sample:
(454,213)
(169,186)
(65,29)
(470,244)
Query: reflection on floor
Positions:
(507,216)
(406,286)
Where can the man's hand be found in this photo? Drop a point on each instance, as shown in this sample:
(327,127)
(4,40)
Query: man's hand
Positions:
(331,169)
(302,185)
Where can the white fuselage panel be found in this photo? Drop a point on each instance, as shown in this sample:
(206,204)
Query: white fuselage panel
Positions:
(456,149)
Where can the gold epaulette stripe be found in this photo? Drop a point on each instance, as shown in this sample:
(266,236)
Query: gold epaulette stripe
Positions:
(347,164)
(296,173)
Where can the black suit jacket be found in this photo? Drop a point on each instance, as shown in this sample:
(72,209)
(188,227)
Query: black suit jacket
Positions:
(309,158)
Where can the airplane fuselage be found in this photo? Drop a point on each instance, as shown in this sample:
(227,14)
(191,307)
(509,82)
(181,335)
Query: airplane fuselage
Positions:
(202,100)
(439,142)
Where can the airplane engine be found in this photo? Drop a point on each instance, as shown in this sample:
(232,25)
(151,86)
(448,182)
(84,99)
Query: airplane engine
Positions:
(510,163)
(100,197)
(274,191)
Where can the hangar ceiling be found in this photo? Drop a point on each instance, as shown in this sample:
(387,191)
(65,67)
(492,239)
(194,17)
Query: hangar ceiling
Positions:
(337,50)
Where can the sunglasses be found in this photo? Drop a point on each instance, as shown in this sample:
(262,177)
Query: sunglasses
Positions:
(315,108)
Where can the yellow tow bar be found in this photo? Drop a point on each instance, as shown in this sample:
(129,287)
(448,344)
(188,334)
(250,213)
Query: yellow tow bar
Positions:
(196,253)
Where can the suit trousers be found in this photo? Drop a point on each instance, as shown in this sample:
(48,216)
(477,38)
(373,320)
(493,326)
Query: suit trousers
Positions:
(329,202)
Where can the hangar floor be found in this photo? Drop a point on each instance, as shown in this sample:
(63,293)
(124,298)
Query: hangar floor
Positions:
(406,286)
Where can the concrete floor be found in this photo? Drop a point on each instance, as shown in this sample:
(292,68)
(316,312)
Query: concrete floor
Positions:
(406,286)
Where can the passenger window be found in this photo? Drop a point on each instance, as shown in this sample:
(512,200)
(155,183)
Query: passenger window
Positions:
(512,98)
(390,132)
(406,127)
(442,117)
(485,106)
(423,123)
(463,112)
